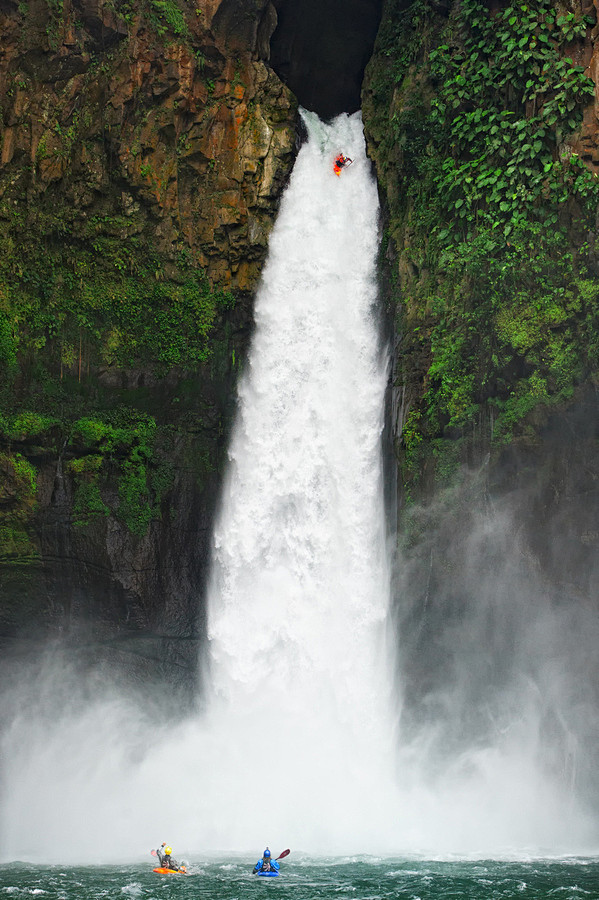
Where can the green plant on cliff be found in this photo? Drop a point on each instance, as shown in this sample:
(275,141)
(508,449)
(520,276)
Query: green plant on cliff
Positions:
(18,497)
(8,348)
(24,425)
(99,297)
(490,205)
(55,21)
(135,505)
(124,448)
(123,443)
(87,503)
(500,319)
(26,474)
(170,12)
(166,16)
(506,97)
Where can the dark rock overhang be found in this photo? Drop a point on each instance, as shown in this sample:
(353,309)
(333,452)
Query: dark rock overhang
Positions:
(319,48)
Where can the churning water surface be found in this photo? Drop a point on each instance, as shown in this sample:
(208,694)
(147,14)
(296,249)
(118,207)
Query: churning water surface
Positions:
(352,878)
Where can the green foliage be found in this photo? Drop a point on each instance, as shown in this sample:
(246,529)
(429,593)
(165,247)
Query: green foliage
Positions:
(55,10)
(25,425)
(165,16)
(400,39)
(128,430)
(88,505)
(524,397)
(91,432)
(135,508)
(412,439)
(26,476)
(102,295)
(507,332)
(18,498)
(167,325)
(167,11)
(8,347)
(126,446)
(506,97)
(489,207)
(16,543)
(85,466)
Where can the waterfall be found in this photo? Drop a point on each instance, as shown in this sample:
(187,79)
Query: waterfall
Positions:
(299,599)
(300,587)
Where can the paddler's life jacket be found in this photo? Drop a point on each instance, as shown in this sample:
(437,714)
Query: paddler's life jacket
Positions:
(271,866)
(167,862)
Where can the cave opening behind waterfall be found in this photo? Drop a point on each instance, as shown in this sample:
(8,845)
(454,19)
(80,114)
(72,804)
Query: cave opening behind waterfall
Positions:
(320,49)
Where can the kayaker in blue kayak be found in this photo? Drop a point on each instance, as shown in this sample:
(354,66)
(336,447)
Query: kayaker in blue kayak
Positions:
(266,864)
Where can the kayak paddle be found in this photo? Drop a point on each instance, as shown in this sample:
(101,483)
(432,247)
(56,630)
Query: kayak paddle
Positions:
(283,854)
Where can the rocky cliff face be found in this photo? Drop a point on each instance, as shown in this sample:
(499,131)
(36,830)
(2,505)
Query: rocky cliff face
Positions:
(144,148)
(142,111)
(482,124)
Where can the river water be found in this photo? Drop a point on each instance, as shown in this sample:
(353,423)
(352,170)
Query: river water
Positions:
(355,878)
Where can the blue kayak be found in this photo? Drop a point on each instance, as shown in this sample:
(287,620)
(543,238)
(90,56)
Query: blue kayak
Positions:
(271,874)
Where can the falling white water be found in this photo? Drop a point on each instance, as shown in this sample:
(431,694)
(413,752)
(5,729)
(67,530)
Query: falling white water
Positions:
(299,596)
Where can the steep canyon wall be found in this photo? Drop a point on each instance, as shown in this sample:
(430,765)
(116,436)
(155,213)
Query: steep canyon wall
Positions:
(144,148)
(482,123)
